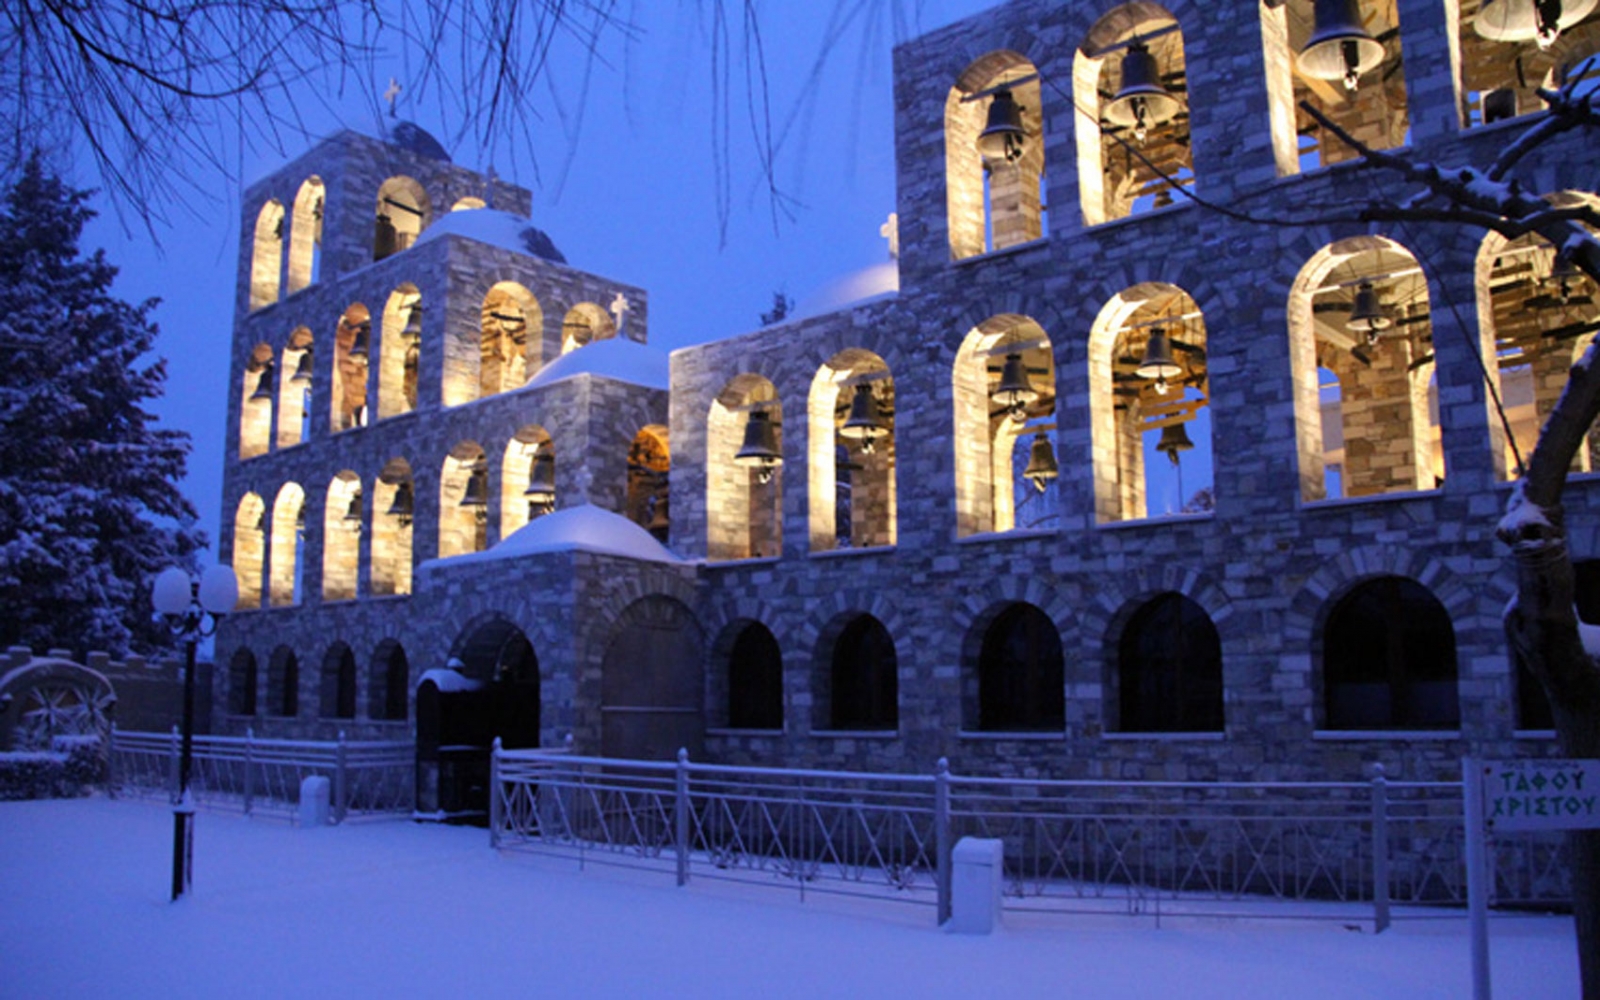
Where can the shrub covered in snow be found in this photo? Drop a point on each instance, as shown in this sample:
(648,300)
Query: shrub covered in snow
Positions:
(73,766)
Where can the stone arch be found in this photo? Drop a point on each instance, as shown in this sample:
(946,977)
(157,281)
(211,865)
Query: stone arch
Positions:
(649,476)
(295,379)
(286,555)
(305,234)
(1111,183)
(652,682)
(977,610)
(352,351)
(337,683)
(586,323)
(851,470)
(528,447)
(1013,671)
(266,255)
(510,346)
(399,351)
(988,428)
(463,521)
(1385,374)
(747,677)
(997,203)
(255,402)
(1168,673)
(343,517)
(744,499)
(404,211)
(249,548)
(388,683)
(393,513)
(1387,658)
(855,675)
(1134,417)
(467,204)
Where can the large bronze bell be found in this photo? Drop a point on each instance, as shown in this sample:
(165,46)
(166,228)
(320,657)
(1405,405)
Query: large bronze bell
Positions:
(1538,21)
(1367,315)
(1340,47)
(541,491)
(352,513)
(865,423)
(760,448)
(477,492)
(302,368)
(1015,391)
(403,505)
(264,386)
(1142,102)
(1174,439)
(1041,462)
(361,346)
(385,239)
(1158,365)
(412,332)
(1003,138)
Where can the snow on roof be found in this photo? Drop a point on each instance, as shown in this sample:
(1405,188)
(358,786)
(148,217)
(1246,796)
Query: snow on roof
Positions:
(616,358)
(585,528)
(869,284)
(411,136)
(448,680)
(496,228)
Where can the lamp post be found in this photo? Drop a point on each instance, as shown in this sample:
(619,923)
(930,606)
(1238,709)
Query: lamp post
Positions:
(192,609)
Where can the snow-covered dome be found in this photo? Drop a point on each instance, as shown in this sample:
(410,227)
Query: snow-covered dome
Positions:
(615,357)
(413,137)
(584,528)
(496,228)
(856,288)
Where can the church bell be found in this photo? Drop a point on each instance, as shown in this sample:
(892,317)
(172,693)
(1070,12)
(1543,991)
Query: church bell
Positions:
(760,448)
(403,505)
(264,385)
(1158,365)
(1340,47)
(1539,21)
(865,423)
(302,368)
(1143,102)
(1174,439)
(1367,315)
(1015,391)
(1041,462)
(385,238)
(541,491)
(1003,139)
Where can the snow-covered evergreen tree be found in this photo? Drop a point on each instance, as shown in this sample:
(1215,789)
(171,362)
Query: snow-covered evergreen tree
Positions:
(90,509)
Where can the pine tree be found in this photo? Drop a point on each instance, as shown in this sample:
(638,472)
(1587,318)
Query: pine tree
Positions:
(90,510)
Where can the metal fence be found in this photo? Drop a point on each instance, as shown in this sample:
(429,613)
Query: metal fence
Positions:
(263,776)
(1382,849)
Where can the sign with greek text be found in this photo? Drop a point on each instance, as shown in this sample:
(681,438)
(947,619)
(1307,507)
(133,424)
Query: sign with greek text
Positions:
(1541,794)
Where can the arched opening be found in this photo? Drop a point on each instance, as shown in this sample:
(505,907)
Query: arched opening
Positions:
(249,549)
(1359,310)
(1389,659)
(511,338)
(467,204)
(338,683)
(996,199)
(1149,398)
(464,501)
(266,256)
(287,557)
(351,353)
(342,519)
(295,377)
(755,679)
(744,471)
(403,213)
(863,678)
(1020,674)
(1506,59)
(283,683)
(649,714)
(1004,386)
(393,510)
(388,681)
(527,478)
(1130,93)
(1168,675)
(851,465)
(400,352)
(242,683)
(585,323)
(305,235)
(649,466)
(1366,97)
(255,403)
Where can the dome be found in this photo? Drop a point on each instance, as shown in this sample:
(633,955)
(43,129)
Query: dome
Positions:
(413,137)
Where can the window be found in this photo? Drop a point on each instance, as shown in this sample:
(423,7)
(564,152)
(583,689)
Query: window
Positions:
(283,683)
(305,235)
(1389,659)
(852,453)
(864,684)
(256,393)
(287,552)
(249,548)
(1004,391)
(388,683)
(242,683)
(403,213)
(266,257)
(1169,669)
(744,471)
(393,511)
(755,680)
(338,690)
(464,501)
(342,521)
(995,201)
(1021,673)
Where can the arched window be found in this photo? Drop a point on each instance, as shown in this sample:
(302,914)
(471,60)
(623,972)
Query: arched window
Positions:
(1363,92)
(649,467)
(393,510)
(864,679)
(1389,659)
(464,501)
(287,557)
(755,680)
(1169,669)
(467,204)
(342,519)
(305,235)
(1149,398)
(585,323)
(1130,91)
(1510,51)
(399,352)
(283,683)
(388,683)
(266,257)
(403,213)
(1360,310)
(994,188)
(255,402)
(744,471)
(352,351)
(295,377)
(242,683)
(249,548)
(511,338)
(851,410)
(1021,673)
(527,478)
(1004,388)
(338,683)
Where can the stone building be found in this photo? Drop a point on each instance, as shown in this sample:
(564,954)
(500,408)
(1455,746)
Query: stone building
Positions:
(948,518)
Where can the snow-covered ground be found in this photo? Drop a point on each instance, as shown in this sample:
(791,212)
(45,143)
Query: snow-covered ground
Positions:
(394,909)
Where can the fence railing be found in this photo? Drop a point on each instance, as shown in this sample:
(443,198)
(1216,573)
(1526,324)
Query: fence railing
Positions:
(263,776)
(1101,846)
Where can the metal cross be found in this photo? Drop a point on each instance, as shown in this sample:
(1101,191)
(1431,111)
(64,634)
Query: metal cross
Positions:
(392,94)
(890,231)
(619,310)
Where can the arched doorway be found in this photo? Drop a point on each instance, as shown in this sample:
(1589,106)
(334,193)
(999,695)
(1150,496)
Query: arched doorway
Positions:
(652,681)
